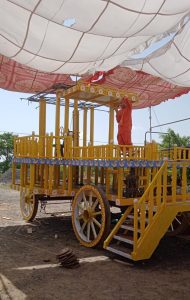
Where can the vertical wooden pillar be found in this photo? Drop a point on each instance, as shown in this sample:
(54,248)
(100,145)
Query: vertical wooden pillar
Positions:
(120,183)
(75,124)
(42,133)
(57,113)
(111,126)
(75,138)
(42,126)
(92,126)
(111,140)
(91,140)
(66,129)
(66,118)
(57,140)
(85,126)
(42,117)
(84,139)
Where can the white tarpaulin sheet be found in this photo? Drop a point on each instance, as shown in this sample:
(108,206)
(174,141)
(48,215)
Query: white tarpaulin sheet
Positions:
(79,36)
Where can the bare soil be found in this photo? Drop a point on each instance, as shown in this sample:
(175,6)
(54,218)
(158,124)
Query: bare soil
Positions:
(29,270)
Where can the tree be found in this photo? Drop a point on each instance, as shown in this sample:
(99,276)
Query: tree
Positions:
(173,138)
(6,151)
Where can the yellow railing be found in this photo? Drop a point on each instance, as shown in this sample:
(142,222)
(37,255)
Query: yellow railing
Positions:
(48,146)
(153,198)
(175,153)
(116,152)
(169,185)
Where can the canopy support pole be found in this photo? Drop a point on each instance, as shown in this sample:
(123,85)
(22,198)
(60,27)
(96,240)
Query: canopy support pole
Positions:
(57,140)
(84,140)
(111,126)
(42,120)
(42,133)
(91,140)
(57,114)
(76,138)
(92,126)
(150,122)
(66,118)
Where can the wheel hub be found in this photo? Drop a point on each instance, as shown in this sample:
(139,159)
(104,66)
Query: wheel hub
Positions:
(87,214)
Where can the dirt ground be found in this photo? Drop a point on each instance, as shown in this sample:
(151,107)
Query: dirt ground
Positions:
(29,270)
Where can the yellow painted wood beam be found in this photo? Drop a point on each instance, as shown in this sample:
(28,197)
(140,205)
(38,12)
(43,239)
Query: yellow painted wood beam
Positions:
(66,119)
(111,126)
(91,126)
(57,114)
(85,112)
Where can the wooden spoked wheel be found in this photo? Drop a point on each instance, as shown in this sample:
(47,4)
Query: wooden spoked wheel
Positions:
(91,216)
(180,224)
(28,205)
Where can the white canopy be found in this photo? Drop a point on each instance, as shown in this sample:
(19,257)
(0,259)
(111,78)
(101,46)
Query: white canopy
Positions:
(79,36)
(171,62)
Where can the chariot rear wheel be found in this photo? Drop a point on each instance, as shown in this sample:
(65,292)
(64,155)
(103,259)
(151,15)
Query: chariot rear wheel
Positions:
(91,216)
(180,224)
(28,205)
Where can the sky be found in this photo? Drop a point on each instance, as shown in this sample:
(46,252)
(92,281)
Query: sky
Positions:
(22,118)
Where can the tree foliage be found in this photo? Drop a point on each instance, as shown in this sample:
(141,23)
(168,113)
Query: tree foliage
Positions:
(6,151)
(173,138)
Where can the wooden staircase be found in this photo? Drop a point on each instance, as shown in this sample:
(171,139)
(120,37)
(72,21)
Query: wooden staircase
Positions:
(140,229)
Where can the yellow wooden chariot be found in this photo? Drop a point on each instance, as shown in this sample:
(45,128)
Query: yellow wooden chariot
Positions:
(122,198)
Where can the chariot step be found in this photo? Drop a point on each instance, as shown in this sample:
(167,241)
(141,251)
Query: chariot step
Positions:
(121,251)
(129,227)
(124,238)
(131,217)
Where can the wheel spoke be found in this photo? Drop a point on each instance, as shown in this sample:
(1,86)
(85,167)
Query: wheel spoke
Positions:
(83,226)
(97,213)
(172,228)
(96,222)
(80,207)
(88,231)
(80,217)
(90,199)
(85,201)
(95,204)
(177,220)
(93,229)
(30,207)
(32,201)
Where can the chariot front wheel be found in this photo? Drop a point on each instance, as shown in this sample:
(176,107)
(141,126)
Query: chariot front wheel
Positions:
(91,216)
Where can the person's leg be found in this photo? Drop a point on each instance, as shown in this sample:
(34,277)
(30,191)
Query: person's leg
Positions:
(120,139)
(126,136)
